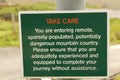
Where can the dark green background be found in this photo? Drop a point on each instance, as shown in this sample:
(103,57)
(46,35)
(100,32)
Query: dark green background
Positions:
(95,20)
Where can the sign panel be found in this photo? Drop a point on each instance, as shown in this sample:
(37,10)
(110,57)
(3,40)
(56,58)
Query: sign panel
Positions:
(64,44)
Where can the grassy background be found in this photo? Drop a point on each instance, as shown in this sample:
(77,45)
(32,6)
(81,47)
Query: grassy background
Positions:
(115,31)
(8,37)
(16,8)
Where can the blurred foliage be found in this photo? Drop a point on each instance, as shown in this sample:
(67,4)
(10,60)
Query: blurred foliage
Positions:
(115,31)
(36,7)
(7,36)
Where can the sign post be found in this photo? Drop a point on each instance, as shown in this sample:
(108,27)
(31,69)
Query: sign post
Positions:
(64,44)
(71,4)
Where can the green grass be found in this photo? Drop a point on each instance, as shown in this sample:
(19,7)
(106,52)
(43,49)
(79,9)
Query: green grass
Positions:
(115,31)
(36,7)
(8,37)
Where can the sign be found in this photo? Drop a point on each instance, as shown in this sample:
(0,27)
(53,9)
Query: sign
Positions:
(64,44)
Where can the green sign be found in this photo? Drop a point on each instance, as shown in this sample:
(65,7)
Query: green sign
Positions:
(64,44)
